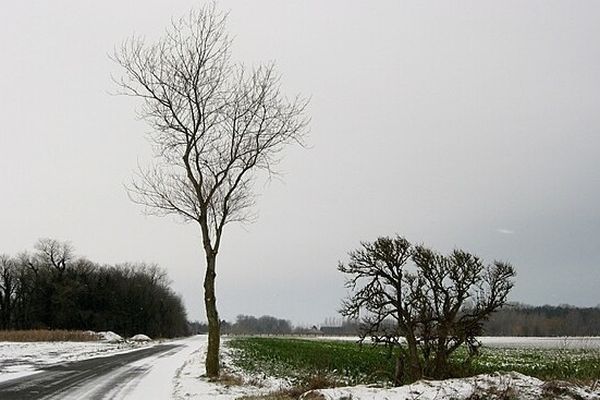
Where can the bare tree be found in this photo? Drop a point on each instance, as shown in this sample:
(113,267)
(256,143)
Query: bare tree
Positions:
(8,287)
(54,253)
(215,125)
(424,303)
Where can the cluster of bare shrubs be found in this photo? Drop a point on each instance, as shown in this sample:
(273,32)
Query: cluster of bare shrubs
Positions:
(424,303)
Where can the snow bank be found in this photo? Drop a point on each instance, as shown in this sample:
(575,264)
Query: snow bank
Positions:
(190,382)
(110,337)
(140,337)
(512,385)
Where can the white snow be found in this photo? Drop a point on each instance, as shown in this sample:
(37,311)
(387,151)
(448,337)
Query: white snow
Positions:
(530,342)
(516,386)
(188,383)
(140,337)
(110,337)
(179,374)
(19,359)
(175,374)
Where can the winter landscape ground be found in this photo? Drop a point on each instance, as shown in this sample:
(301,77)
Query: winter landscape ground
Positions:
(174,374)
(177,373)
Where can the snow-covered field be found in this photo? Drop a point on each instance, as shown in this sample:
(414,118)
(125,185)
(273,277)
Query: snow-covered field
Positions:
(178,374)
(591,342)
(558,342)
(504,386)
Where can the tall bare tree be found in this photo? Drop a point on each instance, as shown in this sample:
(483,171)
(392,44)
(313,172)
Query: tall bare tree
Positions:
(215,125)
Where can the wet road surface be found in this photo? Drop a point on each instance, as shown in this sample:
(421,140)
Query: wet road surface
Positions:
(97,378)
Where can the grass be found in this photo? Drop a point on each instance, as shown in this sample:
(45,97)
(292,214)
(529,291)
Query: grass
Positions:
(348,363)
(44,335)
(302,360)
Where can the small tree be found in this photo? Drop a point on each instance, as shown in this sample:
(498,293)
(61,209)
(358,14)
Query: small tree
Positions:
(424,303)
(214,125)
(8,288)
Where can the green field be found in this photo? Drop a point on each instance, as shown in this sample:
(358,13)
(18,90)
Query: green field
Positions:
(349,363)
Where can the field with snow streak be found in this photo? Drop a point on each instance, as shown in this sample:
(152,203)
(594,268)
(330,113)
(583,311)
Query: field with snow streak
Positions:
(348,363)
(510,386)
(518,366)
(533,342)
(179,374)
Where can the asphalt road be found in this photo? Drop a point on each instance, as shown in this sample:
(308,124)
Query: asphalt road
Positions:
(94,379)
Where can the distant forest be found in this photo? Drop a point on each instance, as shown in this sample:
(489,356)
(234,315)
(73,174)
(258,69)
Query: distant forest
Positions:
(563,320)
(512,320)
(52,289)
(518,320)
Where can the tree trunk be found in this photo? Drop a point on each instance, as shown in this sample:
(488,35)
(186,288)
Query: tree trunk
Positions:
(399,373)
(214,324)
(415,372)
(440,368)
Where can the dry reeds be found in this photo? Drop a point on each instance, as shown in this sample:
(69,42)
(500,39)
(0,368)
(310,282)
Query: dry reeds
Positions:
(45,335)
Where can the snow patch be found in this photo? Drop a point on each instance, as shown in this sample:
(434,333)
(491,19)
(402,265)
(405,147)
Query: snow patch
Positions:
(110,337)
(512,385)
(140,337)
(190,381)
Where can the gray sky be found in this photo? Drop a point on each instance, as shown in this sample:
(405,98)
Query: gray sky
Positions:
(456,124)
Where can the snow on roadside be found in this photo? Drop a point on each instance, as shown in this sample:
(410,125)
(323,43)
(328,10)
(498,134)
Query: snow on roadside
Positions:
(513,384)
(140,337)
(190,382)
(177,374)
(110,337)
(19,359)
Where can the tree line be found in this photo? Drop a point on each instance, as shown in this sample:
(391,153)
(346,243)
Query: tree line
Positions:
(514,319)
(562,320)
(51,288)
(250,325)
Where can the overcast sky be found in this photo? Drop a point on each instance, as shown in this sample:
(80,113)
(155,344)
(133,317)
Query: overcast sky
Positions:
(456,124)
